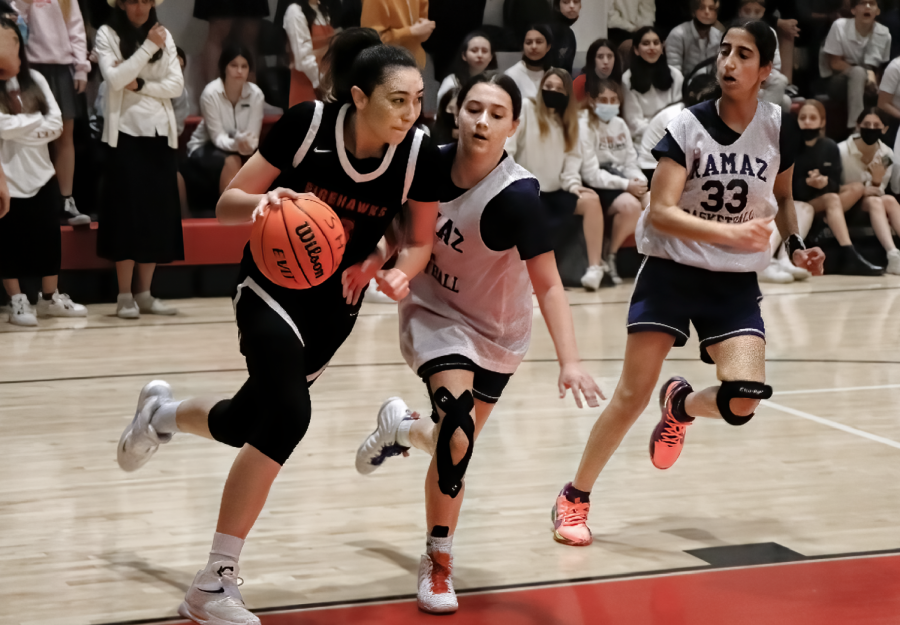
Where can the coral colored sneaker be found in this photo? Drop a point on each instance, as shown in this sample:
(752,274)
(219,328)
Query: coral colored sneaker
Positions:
(570,521)
(436,594)
(667,439)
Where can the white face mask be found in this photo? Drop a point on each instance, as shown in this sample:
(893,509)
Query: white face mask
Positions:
(606,111)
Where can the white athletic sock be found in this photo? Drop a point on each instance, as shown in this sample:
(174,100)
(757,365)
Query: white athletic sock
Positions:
(163,420)
(403,432)
(440,545)
(225,547)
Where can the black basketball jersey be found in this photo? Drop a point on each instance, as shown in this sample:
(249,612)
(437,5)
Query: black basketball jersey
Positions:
(307,145)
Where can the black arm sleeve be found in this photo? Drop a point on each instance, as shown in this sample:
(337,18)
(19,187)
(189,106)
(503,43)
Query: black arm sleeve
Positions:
(286,136)
(789,141)
(667,146)
(426,183)
(516,217)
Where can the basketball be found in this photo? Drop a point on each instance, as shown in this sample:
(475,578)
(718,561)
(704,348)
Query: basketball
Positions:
(299,246)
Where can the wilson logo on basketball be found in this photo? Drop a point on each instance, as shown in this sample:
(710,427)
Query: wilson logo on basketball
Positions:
(308,237)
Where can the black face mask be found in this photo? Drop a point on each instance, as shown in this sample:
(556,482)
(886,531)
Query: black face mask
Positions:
(543,62)
(555,100)
(870,135)
(808,134)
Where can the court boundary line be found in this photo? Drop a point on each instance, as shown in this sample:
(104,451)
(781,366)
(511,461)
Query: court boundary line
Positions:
(578,581)
(832,424)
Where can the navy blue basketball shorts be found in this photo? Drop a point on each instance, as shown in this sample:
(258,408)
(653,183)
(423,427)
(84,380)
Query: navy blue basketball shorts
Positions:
(668,297)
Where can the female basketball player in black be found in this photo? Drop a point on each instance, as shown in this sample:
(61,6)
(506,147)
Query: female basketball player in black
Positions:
(361,155)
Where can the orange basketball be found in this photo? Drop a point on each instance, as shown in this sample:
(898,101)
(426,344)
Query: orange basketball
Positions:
(299,246)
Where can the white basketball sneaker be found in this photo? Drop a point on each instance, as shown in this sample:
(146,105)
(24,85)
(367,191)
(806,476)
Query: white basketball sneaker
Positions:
(592,277)
(140,440)
(382,443)
(214,598)
(436,594)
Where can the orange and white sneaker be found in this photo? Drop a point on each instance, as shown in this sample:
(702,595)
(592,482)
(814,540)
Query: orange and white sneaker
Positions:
(667,439)
(570,521)
(436,594)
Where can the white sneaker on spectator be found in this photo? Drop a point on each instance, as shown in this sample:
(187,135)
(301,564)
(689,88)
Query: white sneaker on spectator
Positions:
(375,296)
(592,277)
(797,273)
(153,306)
(61,305)
(775,273)
(126,307)
(613,269)
(893,265)
(20,311)
(73,216)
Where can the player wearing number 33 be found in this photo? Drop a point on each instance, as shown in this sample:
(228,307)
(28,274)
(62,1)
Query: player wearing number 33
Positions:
(722,184)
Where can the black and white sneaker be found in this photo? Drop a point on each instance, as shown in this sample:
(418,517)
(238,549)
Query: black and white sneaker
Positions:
(74,217)
(214,597)
(382,443)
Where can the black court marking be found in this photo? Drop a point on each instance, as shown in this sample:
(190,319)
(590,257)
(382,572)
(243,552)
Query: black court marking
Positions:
(753,551)
(746,555)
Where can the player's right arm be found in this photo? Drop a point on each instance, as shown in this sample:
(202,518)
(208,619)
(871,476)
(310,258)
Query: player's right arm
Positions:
(668,217)
(248,192)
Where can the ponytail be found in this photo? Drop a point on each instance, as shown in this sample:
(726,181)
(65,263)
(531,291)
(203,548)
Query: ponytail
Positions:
(358,58)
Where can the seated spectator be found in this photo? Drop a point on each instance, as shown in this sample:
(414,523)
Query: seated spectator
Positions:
(865,159)
(774,88)
(626,17)
(57,48)
(602,62)
(445,129)
(889,103)
(30,242)
(692,42)
(700,87)
(140,216)
(650,84)
(854,49)
(817,182)
(609,166)
(537,58)
(547,144)
(232,110)
(307,24)
(475,56)
(565,14)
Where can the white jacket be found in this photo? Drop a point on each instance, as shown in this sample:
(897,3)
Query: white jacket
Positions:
(545,157)
(631,15)
(639,108)
(607,144)
(300,40)
(223,122)
(23,144)
(162,80)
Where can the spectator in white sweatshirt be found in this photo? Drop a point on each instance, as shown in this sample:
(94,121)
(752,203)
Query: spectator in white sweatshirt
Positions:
(30,243)
(537,56)
(57,48)
(691,43)
(609,166)
(140,215)
(547,144)
(232,110)
(650,84)
(309,31)
(475,56)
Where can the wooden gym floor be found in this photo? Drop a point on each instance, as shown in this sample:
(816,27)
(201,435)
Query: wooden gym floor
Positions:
(791,519)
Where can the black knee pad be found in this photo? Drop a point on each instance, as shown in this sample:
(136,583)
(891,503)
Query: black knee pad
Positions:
(457,414)
(739,390)
(281,429)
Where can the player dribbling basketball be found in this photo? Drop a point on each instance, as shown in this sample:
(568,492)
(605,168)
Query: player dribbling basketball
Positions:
(705,234)
(362,156)
(467,323)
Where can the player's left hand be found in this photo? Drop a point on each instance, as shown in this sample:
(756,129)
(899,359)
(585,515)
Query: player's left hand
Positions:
(813,260)
(573,376)
(393,283)
(356,277)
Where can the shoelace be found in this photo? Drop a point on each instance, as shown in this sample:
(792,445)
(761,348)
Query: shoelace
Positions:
(673,432)
(65,301)
(440,576)
(576,514)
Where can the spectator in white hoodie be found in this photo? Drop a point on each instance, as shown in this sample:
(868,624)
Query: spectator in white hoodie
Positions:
(30,243)
(57,48)
(609,166)
(309,31)
(547,144)
(650,84)
(232,111)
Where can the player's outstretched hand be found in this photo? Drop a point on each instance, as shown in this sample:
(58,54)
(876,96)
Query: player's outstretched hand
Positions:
(573,376)
(813,260)
(393,283)
(753,235)
(356,277)
(272,200)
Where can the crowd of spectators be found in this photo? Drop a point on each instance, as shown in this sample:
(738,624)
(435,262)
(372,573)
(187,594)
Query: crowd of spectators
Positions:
(586,133)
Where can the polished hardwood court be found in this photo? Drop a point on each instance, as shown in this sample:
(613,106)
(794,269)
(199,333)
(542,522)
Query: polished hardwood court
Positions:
(816,473)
